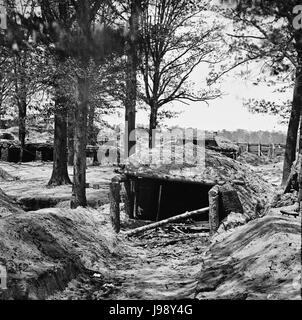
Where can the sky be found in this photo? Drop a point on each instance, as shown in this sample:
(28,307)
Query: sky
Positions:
(227,112)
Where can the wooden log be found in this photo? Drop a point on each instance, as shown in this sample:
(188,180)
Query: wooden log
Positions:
(115,199)
(166,221)
(214,209)
(290,213)
(166,178)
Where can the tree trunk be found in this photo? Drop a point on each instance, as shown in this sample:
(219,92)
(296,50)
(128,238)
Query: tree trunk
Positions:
(292,134)
(70,123)
(91,134)
(80,142)
(131,77)
(291,140)
(21,95)
(152,126)
(60,169)
(300,169)
(22,123)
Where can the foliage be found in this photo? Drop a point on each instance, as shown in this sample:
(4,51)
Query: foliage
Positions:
(174,42)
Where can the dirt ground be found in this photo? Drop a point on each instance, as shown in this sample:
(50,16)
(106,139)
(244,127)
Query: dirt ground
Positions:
(166,263)
(261,260)
(161,264)
(31,190)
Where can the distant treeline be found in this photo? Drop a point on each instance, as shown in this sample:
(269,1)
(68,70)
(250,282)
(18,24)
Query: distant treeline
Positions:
(254,137)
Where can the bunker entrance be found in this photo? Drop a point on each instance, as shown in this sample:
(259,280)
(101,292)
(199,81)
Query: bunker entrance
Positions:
(159,199)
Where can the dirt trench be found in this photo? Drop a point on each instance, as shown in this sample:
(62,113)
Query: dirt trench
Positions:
(162,264)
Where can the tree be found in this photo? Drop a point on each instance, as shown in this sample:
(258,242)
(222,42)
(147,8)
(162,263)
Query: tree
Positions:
(59,17)
(84,38)
(174,42)
(88,40)
(264,30)
(130,12)
(263,106)
(107,92)
(90,45)
(25,61)
(63,102)
(6,82)
(131,71)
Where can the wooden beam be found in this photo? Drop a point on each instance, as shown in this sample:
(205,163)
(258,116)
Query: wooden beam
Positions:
(166,221)
(167,178)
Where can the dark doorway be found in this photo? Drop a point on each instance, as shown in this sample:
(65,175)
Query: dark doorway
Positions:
(13,155)
(160,199)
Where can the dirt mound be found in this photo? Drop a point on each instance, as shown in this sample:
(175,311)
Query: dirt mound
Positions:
(8,206)
(283,200)
(35,134)
(5,176)
(44,250)
(261,260)
(207,166)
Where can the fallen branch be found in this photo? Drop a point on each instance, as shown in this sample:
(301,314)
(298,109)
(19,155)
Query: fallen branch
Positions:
(166,221)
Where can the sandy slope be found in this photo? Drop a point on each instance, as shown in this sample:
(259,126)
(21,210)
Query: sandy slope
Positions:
(45,249)
(59,253)
(261,260)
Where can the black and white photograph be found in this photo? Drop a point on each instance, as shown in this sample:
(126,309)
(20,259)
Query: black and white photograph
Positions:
(150,153)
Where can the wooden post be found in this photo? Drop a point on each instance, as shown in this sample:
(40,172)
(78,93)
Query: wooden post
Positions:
(195,143)
(161,150)
(136,197)
(173,146)
(38,155)
(4,153)
(159,202)
(129,201)
(259,150)
(214,209)
(118,144)
(183,150)
(115,199)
